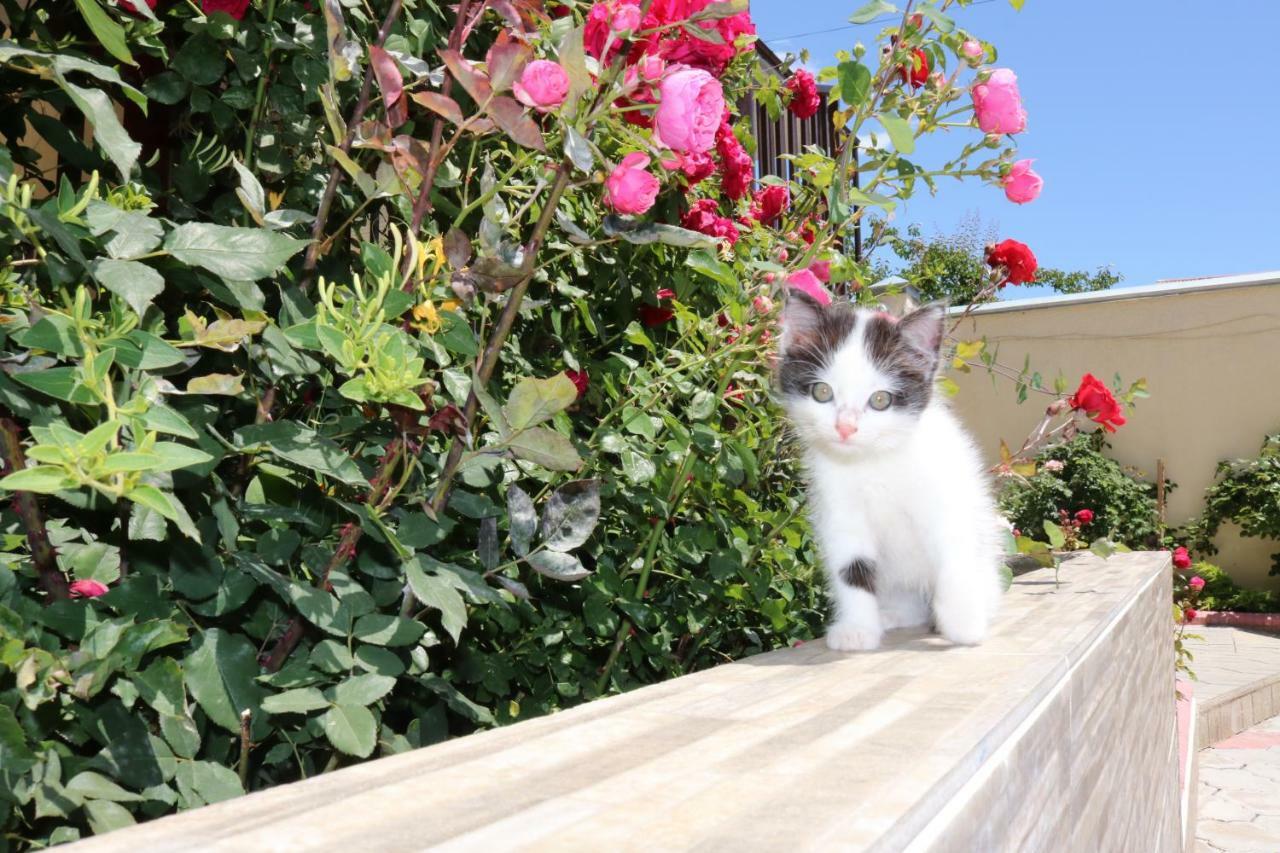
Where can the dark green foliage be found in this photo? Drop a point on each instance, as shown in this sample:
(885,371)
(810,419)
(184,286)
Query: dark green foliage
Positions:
(1246,492)
(1222,593)
(1124,505)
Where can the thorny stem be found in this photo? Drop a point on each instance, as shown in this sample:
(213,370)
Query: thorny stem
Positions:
(245,716)
(27,509)
(422,204)
(335,171)
(260,98)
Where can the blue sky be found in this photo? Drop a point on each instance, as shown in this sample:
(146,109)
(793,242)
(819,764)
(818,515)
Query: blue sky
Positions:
(1156,126)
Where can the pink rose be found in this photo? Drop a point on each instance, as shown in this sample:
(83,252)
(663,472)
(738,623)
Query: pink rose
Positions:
(1181,559)
(630,187)
(821,270)
(1196,583)
(998,105)
(972,49)
(651,67)
(1022,184)
(625,19)
(1189,614)
(690,110)
(806,282)
(1085,516)
(543,85)
(88,589)
(762,305)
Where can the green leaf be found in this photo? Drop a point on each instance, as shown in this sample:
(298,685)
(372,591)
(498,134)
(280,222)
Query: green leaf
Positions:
(571,514)
(135,233)
(643,233)
(364,689)
(1006,577)
(42,479)
(1056,537)
(298,701)
(871,11)
(108,132)
(62,383)
(573,59)
(222,675)
(136,283)
(217,384)
(104,816)
(108,33)
(707,264)
(382,629)
(558,566)
(206,783)
(351,729)
(578,150)
(89,785)
(304,448)
(181,733)
(434,591)
(533,401)
(165,504)
(238,254)
(127,460)
(546,447)
(144,351)
(161,418)
(174,456)
(855,82)
(54,333)
(523,519)
(900,133)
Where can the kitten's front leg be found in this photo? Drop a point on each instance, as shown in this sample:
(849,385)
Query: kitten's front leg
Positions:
(857,624)
(965,591)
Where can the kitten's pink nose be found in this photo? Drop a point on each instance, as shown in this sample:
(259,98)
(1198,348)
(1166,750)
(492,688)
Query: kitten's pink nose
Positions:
(846,429)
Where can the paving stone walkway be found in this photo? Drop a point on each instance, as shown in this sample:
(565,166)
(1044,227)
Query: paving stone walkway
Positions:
(1240,793)
(1228,658)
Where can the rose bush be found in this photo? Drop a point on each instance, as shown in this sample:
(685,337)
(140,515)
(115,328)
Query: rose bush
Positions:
(367,391)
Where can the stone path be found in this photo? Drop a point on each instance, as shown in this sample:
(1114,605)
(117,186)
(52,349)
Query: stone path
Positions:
(1240,793)
(1228,658)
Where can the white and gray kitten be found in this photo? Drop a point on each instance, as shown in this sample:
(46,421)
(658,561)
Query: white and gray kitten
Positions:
(899,499)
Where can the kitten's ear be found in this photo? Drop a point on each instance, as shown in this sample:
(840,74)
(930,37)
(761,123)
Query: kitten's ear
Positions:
(801,318)
(922,328)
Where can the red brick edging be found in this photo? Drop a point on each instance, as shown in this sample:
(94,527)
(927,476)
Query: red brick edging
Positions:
(1265,621)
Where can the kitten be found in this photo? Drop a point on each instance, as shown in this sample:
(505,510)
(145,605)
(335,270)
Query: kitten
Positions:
(899,498)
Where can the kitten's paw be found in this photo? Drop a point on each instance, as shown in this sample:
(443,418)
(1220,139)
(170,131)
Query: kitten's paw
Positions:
(851,637)
(968,629)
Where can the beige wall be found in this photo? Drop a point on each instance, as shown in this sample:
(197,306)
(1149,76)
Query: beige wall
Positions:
(1212,361)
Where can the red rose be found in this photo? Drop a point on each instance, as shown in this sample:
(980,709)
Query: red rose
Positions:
(580,380)
(133,10)
(918,72)
(234,8)
(1017,259)
(1181,559)
(1188,614)
(737,172)
(652,315)
(805,99)
(1085,516)
(770,202)
(88,589)
(822,269)
(704,218)
(1097,402)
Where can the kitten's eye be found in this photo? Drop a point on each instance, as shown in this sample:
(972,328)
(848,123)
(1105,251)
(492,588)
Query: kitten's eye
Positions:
(880,401)
(821,392)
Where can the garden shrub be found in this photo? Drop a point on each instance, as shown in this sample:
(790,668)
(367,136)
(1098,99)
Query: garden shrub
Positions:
(1077,475)
(358,388)
(1220,592)
(1245,492)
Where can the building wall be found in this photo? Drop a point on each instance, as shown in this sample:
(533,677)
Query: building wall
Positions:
(1212,362)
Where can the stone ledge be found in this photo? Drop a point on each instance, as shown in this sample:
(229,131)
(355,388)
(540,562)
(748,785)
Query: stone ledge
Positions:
(1058,733)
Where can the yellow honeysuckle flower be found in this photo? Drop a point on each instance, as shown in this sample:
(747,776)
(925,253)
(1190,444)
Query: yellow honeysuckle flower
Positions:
(426,318)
